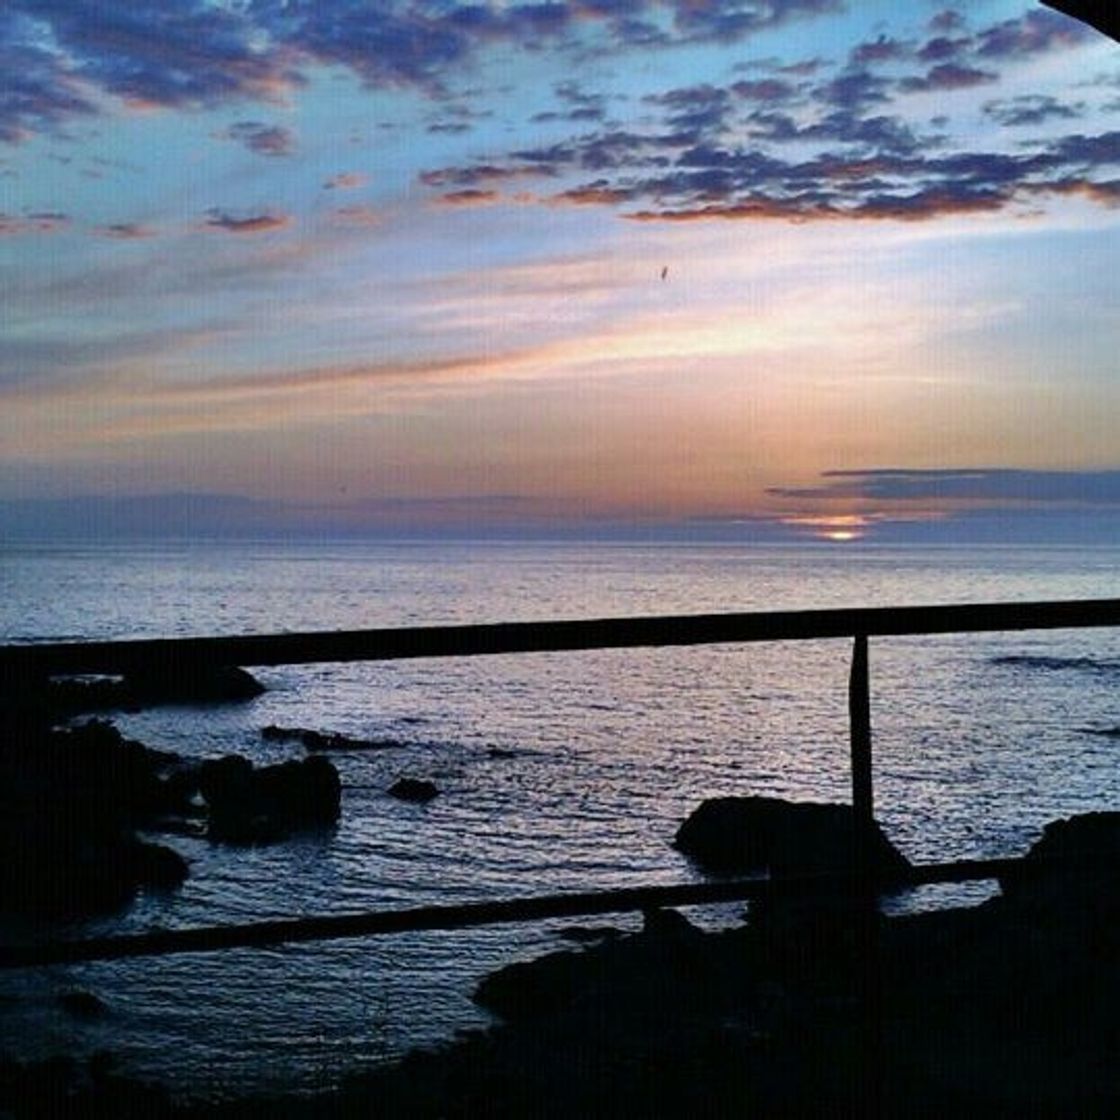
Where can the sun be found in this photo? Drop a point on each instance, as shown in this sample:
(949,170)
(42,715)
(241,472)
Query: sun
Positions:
(839,528)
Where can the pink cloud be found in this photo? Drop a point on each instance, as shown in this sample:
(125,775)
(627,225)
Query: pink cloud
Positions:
(254,223)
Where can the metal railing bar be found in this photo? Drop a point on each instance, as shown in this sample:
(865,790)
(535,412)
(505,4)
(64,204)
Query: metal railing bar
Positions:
(265,934)
(538,637)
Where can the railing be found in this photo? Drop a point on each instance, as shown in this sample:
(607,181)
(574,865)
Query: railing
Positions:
(21,664)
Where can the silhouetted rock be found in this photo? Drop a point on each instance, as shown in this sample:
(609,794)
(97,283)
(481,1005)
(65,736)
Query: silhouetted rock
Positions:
(156,866)
(418,790)
(70,802)
(589,935)
(1075,864)
(56,698)
(64,1089)
(628,974)
(743,834)
(317,741)
(193,685)
(248,805)
(81,1004)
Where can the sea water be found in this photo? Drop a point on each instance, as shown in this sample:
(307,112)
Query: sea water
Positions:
(556,771)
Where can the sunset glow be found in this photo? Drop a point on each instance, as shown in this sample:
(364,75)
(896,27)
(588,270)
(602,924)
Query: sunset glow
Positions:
(803,267)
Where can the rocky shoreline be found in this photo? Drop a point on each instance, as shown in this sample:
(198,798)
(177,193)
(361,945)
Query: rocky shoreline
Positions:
(1006,1009)
(815,1005)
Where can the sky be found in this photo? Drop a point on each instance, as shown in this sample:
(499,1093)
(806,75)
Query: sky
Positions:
(752,267)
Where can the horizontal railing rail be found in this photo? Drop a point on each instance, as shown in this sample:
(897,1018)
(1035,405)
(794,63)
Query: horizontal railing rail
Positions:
(551,636)
(536,908)
(19,663)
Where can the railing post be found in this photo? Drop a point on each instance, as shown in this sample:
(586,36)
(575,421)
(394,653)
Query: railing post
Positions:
(859,711)
(867,978)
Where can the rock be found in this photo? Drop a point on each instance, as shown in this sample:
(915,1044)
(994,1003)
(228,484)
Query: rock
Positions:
(1089,847)
(319,741)
(70,802)
(196,684)
(61,1087)
(304,793)
(248,805)
(81,1004)
(624,979)
(59,697)
(743,834)
(79,868)
(157,867)
(589,935)
(418,790)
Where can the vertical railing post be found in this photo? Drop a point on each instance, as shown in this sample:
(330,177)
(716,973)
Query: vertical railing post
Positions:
(859,711)
(869,1031)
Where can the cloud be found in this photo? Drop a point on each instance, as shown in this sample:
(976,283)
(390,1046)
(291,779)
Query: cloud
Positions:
(998,504)
(356,216)
(1103,193)
(581,106)
(720,152)
(949,76)
(599,193)
(767,90)
(941,48)
(58,56)
(854,90)
(45,221)
(946,20)
(482,174)
(346,181)
(881,49)
(964,485)
(38,90)
(253,223)
(126,231)
(151,53)
(694,109)
(1035,32)
(62,60)
(469,197)
(1029,110)
(264,139)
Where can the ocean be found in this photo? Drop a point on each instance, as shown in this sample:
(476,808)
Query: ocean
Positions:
(563,771)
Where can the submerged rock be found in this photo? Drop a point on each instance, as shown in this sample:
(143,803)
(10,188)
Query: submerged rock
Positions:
(743,834)
(314,741)
(418,790)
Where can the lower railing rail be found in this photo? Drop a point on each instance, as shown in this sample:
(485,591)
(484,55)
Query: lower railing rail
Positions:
(534,908)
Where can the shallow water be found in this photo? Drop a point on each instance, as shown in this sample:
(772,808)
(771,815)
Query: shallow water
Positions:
(979,740)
